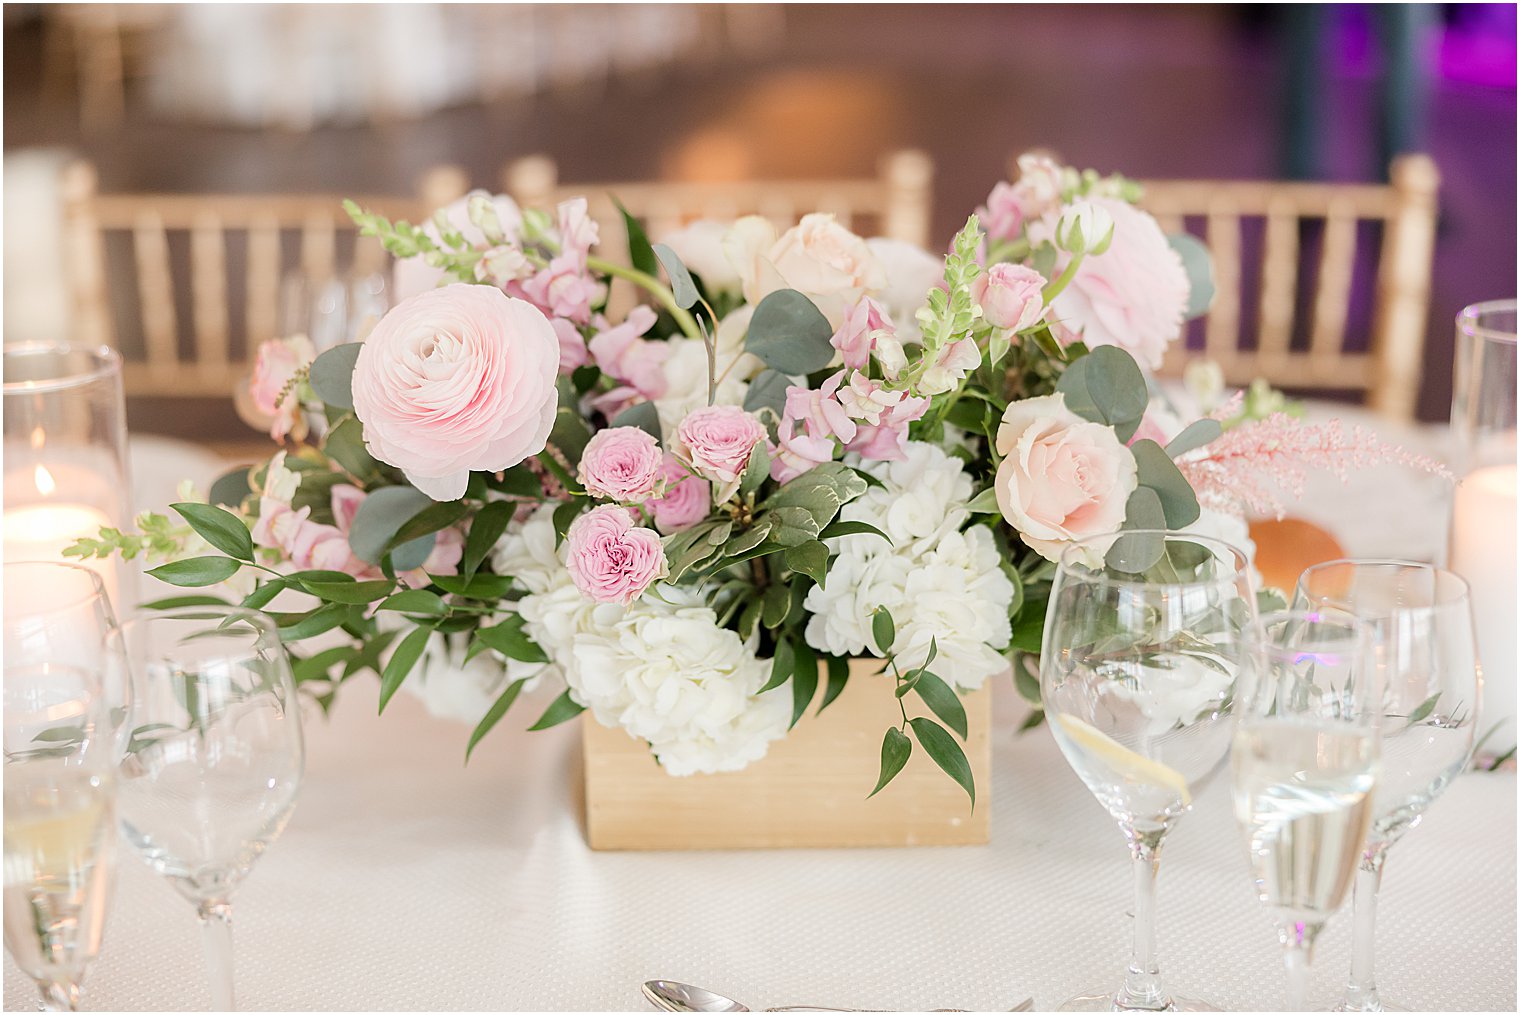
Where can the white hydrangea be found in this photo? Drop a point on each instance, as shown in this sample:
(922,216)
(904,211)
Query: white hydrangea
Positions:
(661,669)
(938,583)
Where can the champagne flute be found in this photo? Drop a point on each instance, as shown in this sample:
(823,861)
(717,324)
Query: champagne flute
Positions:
(1137,676)
(60,824)
(1305,761)
(216,758)
(1431,690)
(60,613)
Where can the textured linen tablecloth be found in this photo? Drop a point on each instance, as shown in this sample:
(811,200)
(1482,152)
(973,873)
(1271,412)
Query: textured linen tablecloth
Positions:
(408,881)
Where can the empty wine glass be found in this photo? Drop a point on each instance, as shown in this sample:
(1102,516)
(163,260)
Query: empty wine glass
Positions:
(60,613)
(1305,761)
(1137,672)
(216,757)
(60,824)
(1431,689)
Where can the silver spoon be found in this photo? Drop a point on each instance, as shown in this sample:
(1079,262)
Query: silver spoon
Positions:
(672,995)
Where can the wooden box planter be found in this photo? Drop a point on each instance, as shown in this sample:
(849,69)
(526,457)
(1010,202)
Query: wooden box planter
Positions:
(808,791)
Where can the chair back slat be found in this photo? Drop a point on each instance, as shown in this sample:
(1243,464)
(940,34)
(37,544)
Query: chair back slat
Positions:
(1313,349)
(219,234)
(155,290)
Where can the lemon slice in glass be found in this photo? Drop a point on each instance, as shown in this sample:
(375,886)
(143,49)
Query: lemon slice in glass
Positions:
(1126,763)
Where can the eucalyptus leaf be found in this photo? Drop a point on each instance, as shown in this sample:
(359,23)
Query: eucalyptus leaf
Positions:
(413,553)
(380,516)
(175,602)
(231,488)
(344,444)
(789,334)
(1106,386)
(1200,272)
(644,416)
(1193,436)
(352,593)
(895,750)
(767,391)
(1156,470)
(318,621)
(332,375)
(481,586)
(570,434)
(681,285)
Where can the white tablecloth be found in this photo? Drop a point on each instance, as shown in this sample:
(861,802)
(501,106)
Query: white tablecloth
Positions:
(407,881)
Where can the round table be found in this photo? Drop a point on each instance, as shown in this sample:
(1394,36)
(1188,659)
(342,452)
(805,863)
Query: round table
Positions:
(407,880)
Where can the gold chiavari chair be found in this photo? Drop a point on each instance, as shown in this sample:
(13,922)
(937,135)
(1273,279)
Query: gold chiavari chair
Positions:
(207,253)
(895,203)
(1303,307)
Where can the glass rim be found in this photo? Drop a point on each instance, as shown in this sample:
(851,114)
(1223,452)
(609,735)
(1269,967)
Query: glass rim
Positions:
(1069,564)
(93,575)
(1468,317)
(107,363)
(1460,596)
(143,618)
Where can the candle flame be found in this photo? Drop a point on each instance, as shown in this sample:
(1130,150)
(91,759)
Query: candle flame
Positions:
(44,479)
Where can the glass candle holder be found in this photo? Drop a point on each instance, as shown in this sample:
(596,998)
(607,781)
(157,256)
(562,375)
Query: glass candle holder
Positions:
(65,440)
(1482,544)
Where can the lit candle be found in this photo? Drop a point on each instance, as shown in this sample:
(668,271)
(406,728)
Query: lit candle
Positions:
(42,529)
(1483,552)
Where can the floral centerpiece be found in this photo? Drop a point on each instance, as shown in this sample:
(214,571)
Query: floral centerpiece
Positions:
(799,448)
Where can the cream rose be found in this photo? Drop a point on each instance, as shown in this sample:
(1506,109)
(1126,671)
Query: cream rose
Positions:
(1063,478)
(818,257)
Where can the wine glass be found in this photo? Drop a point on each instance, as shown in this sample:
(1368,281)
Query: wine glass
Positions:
(1305,762)
(60,613)
(1431,690)
(216,757)
(1137,673)
(60,824)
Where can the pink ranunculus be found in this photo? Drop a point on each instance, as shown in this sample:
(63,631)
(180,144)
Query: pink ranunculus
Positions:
(274,367)
(610,559)
(1002,216)
(865,399)
(795,453)
(622,463)
(564,289)
(620,353)
(1039,186)
(818,257)
(1063,478)
(457,379)
(1010,296)
(717,441)
(819,410)
(857,335)
(687,498)
(1133,295)
(951,366)
(887,441)
(572,346)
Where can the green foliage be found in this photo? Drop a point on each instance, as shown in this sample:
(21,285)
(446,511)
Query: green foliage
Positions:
(1193,436)
(644,415)
(883,630)
(789,334)
(493,715)
(1200,272)
(402,661)
(563,709)
(332,375)
(895,750)
(681,286)
(767,391)
(222,529)
(193,572)
(486,528)
(947,754)
(381,516)
(640,254)
(1106,386)
(950,313)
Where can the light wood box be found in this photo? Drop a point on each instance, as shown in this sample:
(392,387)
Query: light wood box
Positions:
(808,791)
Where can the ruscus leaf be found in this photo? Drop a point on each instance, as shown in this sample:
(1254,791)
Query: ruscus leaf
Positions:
(895,750)
(221,528)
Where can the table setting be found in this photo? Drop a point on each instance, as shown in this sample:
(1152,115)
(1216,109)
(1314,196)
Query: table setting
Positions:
(764,644)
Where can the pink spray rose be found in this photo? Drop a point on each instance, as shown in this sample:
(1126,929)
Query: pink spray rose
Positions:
(1002,216)
(1010,296)
(857,335)
(686,501)
(622,463)
(1063,478)
(273,368)
(620,353)
(718,439)
(457,379)
(1133,295)
(610,559)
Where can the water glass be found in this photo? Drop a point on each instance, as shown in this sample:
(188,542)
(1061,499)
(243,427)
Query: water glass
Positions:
(1428,665)
(1305,763)
(60,824)
(216,758)
(1137,673)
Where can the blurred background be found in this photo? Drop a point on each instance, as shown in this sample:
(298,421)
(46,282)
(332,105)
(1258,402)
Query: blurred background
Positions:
(300,100)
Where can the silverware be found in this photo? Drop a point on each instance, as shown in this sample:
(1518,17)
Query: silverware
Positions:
(672,995)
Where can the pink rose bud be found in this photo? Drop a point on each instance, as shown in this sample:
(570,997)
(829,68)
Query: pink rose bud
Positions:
(274,368)
(1010,296)
(622,463)
(455,380)
(687,498)
(610,559)
(718,440)
(1003,215)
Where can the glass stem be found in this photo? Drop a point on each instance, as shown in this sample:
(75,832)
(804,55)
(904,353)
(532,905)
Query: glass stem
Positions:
(1142,981)
(1298,948)
(216,937)
(1361,991)
(59,996)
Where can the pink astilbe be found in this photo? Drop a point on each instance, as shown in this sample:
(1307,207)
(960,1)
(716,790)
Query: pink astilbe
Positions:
(1252,464)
